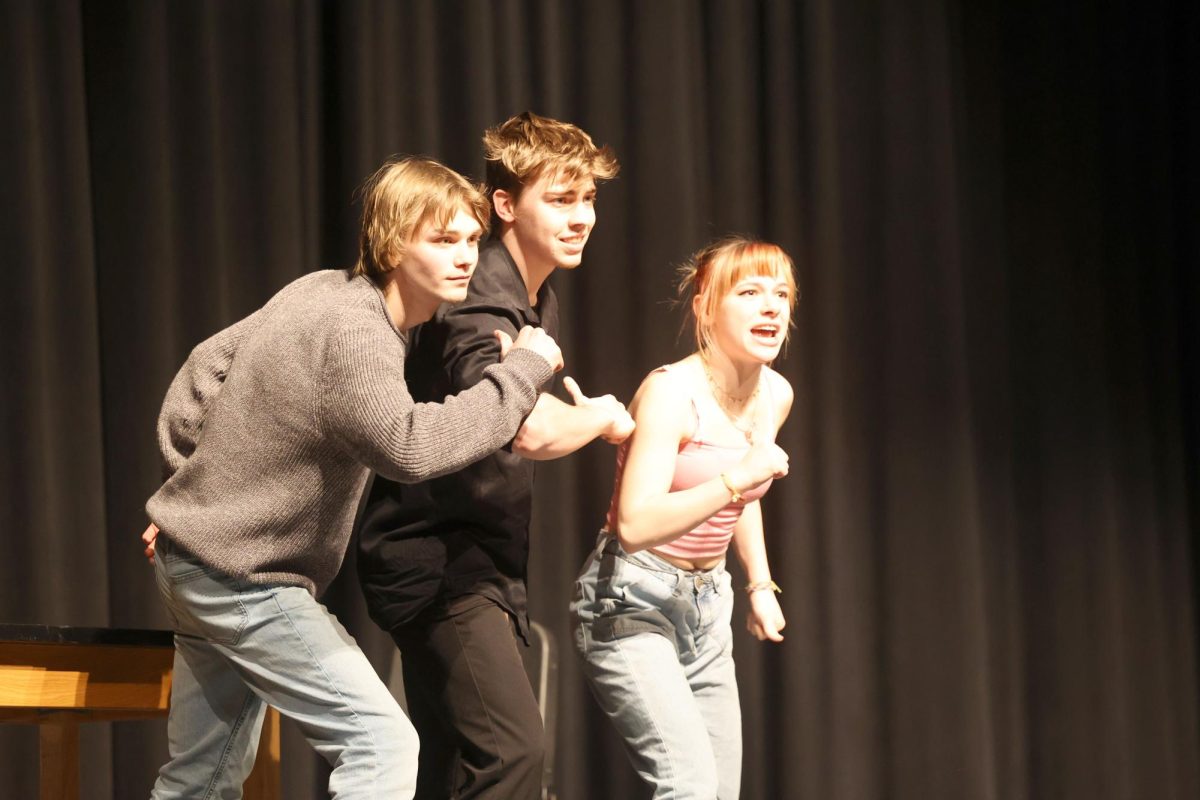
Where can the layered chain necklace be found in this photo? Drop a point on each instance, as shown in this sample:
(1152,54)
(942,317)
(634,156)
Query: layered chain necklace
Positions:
(725,400)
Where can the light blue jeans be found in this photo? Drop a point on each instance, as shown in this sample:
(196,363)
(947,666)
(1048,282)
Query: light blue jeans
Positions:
(658,653)
(241,646)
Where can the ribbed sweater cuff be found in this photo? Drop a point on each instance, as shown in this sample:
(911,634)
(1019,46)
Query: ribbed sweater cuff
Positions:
(530,365)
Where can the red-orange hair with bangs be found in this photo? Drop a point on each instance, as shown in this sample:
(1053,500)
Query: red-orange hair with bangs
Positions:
(713,271)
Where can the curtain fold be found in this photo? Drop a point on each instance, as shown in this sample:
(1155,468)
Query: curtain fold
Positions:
(53,470)
(988,540)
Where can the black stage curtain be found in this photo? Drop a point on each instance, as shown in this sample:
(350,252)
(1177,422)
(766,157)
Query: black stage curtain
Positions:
(987,543)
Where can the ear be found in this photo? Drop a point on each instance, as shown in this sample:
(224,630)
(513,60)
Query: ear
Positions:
(697,306)
(505,205)
(393,256)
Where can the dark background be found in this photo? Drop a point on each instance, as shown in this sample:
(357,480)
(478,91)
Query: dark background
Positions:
(988,540)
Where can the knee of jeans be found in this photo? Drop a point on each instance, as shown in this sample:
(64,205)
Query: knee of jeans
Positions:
(394,737)
(699,782)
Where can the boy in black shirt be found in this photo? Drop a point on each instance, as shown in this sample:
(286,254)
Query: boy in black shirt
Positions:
(442,564)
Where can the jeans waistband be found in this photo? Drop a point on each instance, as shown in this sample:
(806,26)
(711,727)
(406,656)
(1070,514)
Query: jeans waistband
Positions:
(646,559)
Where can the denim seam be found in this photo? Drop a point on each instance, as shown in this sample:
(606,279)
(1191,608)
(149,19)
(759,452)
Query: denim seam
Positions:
(224,760)
(333,685)
(642,696)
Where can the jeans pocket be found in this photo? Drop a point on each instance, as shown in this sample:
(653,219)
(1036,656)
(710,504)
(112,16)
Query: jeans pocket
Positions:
(724,582)
(227,626)
(179,567)
(622,577)
(621,624)
(633,599)
(291,597)
(209,607)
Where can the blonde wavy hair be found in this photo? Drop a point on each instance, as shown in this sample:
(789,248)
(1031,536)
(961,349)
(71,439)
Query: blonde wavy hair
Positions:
(403,195)
(527,146)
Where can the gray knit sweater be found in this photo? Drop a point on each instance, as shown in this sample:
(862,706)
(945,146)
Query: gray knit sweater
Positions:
(270,429)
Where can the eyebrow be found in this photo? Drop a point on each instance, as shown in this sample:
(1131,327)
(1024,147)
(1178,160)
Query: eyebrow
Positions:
(573,188)
(761,280)
(456,232)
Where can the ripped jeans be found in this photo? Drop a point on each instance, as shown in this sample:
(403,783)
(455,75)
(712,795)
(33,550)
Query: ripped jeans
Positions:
(658,654)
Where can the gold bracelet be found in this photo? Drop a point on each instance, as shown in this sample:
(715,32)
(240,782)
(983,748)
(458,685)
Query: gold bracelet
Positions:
(736,495)
(758,586)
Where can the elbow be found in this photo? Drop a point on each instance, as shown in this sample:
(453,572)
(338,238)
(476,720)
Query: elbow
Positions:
(629,546)
(411,469)
(631,538)
(408,475)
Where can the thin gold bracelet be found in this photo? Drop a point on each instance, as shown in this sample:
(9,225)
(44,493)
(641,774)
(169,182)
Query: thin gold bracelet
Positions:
(736,495)
(758,586)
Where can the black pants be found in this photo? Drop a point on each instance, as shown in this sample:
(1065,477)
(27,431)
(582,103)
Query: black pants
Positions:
(471,702)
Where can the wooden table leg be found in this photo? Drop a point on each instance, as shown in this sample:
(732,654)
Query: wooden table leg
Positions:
(59,756)
(263,783)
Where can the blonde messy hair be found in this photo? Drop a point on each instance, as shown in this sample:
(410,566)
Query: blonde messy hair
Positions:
(522,149)
(712,272)
(399,198)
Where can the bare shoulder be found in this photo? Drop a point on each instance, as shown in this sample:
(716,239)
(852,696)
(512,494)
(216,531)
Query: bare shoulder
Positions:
(663,383)
(781,393)
(665,398)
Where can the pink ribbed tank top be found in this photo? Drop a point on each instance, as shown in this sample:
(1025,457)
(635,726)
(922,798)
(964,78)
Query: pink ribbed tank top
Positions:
(698,461)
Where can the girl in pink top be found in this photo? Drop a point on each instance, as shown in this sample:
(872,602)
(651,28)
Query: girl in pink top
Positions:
(653,603)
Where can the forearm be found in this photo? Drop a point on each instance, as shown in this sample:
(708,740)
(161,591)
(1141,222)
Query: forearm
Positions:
(411,442)
(555,429)
(765,619)
(662,518)
(750,546)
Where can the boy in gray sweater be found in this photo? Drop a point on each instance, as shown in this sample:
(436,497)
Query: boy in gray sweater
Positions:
(267,436)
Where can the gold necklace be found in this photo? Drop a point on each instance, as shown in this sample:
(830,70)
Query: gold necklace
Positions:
(749,400)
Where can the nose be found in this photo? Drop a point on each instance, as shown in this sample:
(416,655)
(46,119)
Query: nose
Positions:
(466,254)
(775,308)
(583,215)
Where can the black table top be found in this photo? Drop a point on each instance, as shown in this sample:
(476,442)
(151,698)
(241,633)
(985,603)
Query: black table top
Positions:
(70,634)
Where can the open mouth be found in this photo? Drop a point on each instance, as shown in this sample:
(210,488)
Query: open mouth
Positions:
(768,334)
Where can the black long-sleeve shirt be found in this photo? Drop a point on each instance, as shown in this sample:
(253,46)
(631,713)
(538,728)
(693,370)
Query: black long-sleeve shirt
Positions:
(421,545)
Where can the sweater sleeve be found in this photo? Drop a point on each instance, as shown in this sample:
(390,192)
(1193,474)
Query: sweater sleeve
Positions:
(193,391)
(365,404)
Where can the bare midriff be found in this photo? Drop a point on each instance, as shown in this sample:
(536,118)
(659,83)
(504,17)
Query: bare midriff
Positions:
(690,565)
